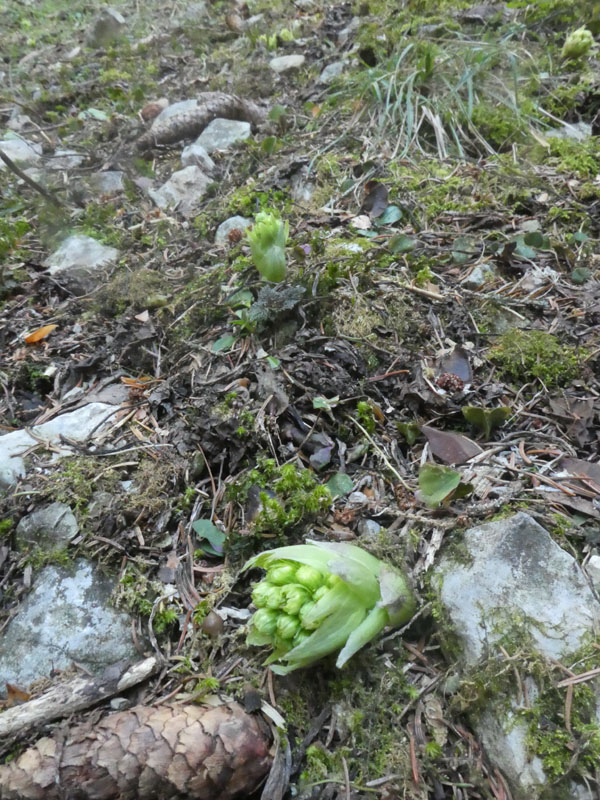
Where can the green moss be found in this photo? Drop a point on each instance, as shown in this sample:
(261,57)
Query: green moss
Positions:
(522,355)
(579,158)
(138,289)
(298,497)
(6,526)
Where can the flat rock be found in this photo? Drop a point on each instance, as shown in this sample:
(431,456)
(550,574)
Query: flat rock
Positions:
(183,192)
(79,262)
(47,527)
(579,131)
(231,224)
(516,566)
(196,155)
(281,64)
(21,152)
(77,425)
(67,617)
(220,134)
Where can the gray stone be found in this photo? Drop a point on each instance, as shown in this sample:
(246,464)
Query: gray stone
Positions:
(196,155)
(183,192)
(516,566)
(107,27)
(220,134)
(331,72)
(231,224)
(80,262)
(64,159)
(66,617)
(77,425)
(504,738)
(107,183)
(479,276)
(281,64)
(21,152)
(517,581)
(593,570)
(358,498)
(369,528)
(48,527)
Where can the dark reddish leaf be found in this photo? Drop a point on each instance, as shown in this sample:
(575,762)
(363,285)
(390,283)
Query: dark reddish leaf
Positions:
(452,448)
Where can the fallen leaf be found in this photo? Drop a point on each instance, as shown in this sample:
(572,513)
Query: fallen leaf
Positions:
(39,334)
(15,696)
(143,316)
(452,448)
(375,200)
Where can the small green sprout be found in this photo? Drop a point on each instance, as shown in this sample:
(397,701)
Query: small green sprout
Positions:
(578,44)
(267,238)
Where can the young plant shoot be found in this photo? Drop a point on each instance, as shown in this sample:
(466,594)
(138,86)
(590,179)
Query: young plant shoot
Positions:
(323,597)
(267,238)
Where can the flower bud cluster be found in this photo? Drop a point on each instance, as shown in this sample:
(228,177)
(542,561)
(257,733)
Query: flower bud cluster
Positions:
(285,602)
(267,238)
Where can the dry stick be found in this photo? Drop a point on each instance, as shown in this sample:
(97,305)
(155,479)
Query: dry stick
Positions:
(76,695)
(381,454)
(29,181)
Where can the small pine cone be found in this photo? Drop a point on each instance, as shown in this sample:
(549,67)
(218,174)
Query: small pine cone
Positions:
(147,753)
(450,383)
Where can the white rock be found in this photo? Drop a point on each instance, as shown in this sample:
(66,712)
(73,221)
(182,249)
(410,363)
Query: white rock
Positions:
(183,191)
(286,63)
(220,134)
(231,224)
(593,570)
(79,261)
(77,425)
(479,276)
(196,155)
(20,151)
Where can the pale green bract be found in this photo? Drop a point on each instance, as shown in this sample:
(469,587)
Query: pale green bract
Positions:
(267,239)
(322,597)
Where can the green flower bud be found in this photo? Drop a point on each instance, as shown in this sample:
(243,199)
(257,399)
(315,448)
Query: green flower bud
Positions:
(281,573)
(309,577)
(274,599)
(265,621)
(260,593)
(321,591)
(577,44)
(287,626)
(294,596)
(303,613)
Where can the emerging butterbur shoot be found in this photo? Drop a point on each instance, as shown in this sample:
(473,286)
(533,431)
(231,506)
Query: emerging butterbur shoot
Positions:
(267,238)
(321,598)
(577,44)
